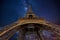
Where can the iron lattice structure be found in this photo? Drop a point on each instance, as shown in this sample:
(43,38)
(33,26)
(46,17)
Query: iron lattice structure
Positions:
(22,26)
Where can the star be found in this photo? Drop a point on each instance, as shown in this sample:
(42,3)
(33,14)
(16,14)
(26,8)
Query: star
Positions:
(25,8)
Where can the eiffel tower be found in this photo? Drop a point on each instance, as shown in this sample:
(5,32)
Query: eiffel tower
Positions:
(29,24)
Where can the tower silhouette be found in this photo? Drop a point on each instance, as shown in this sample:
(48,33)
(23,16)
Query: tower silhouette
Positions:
(30,25)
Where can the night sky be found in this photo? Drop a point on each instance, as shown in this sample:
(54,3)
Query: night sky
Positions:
(12,10)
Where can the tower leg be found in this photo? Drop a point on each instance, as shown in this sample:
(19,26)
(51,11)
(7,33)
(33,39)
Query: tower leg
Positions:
(21,35)
(2,38)
(40,35)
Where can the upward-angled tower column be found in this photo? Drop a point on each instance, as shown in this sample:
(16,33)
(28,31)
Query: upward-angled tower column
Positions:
(30,18)
(30,14)
(21,34)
